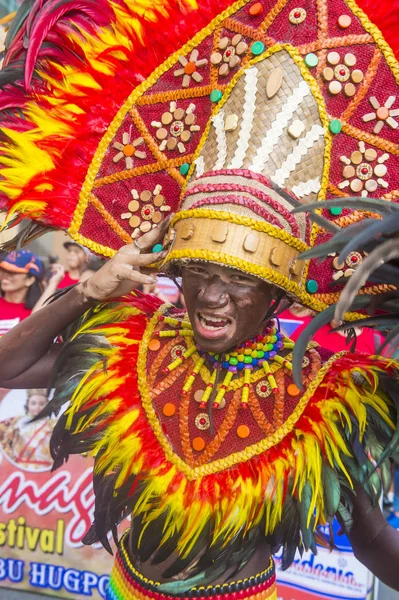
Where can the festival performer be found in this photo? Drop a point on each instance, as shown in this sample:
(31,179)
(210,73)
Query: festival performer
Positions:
(196,425)
(25,441)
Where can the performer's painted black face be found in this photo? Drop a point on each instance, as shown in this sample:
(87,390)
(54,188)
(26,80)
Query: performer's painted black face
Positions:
(225,306)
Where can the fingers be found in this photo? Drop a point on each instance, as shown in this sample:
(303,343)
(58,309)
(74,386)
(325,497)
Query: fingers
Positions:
(141,260)
(125,272)
(148,240)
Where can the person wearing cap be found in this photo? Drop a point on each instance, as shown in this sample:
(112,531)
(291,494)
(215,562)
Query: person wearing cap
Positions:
(20,282)
(198,429)
(77,261)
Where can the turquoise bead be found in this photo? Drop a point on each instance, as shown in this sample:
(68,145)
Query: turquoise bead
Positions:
(335,210)
(311,60)
(216,95)
(335,126)
(312,286)
(184,169)
(257,48)
(157,248)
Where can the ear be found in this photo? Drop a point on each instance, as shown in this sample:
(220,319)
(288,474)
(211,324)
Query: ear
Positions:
(30,280)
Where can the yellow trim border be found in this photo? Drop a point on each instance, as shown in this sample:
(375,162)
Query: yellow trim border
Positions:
(237,457)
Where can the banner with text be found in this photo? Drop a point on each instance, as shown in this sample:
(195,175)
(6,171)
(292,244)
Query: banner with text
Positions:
(44,514)
(336,575)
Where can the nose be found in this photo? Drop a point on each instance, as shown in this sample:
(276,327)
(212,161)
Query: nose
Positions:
(213,293)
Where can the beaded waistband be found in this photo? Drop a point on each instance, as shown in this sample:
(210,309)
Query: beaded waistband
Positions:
(126,583)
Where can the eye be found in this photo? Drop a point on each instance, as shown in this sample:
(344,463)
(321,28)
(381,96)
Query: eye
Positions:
(196,270)
(242,279)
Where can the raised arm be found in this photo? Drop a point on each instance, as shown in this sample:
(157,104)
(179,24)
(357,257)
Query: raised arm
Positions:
(28,352)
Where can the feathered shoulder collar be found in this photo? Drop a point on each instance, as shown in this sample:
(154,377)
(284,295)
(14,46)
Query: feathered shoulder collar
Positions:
(196,479)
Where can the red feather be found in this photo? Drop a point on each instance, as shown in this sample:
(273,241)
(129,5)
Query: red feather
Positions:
(384,14)
(51,14)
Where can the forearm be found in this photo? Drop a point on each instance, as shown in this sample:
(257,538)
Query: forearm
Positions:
(375,543)
(31,339)
(48,292)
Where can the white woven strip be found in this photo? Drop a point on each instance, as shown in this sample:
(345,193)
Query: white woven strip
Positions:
(218,123)
(279,126)
(312,186)
(297,154)
(247,121)
(199,166)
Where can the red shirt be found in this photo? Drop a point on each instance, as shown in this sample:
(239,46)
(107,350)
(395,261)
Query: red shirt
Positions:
(366,339)
(67,281)
(11,314)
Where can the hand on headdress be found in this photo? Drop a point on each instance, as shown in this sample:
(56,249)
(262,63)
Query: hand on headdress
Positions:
(123,273)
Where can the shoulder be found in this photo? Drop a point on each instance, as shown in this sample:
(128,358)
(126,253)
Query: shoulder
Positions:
(130,313)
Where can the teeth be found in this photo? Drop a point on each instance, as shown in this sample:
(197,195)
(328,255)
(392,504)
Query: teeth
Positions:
(212,323)
(214,319)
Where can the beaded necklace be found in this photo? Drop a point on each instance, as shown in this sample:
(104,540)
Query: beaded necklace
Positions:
(256,352)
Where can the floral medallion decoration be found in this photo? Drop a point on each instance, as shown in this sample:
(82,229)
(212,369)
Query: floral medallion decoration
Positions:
(383,114)
(348,267)
(297,16)
(189,68)
(177,126)
(364,170)
(229,54)
(263,389)
(146,210)
(341,74)
(178,351)
(128,150)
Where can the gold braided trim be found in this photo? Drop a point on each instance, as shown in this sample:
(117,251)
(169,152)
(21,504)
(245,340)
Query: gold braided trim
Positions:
(374,140)
(180,94)
(335,42)
(237,457)
(119,117)
(110,220)
(256,225)
(272,14)
(201,235)
(365,87)
(268,274)
(165,163)
(374,290)
(391,195)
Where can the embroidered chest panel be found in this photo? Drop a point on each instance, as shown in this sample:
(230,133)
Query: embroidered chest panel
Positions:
(201,440)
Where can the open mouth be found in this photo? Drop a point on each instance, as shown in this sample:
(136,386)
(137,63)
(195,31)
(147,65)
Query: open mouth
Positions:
(212,326)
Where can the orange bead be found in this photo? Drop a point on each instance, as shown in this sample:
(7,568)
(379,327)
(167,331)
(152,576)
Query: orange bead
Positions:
(292,390)
(154,345)
(383,113)
(190,68)
(198,444)
(128,150)
(255,9)
(243,431)
(169,409)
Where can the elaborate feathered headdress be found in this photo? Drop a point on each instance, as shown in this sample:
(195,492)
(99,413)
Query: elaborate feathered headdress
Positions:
(110,110)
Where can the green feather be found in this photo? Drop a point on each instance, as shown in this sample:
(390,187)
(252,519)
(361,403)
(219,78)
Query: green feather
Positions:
(345,518)
(304,504)
(332,490)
